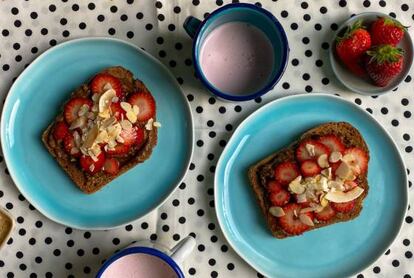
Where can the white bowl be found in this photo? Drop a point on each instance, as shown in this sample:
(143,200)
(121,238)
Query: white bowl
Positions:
(364,85)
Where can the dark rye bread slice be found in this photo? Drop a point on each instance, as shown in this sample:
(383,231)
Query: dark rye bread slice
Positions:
(92,183)
(262,171)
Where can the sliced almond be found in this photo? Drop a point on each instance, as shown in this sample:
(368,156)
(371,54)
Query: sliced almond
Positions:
(335,157)
(337,185)
(105,100)
(296,187)
(344,170)
(327,172)
(107,86)
(157,124)
(135,109)
(305,219)
(92,167)
(78,123)
(107,122)
(148,125)
(90,137)
(126,124)
(76,138)
(126,106)
(323,201)
(83,110)
(301,198)
(343,197)
(310,149)
(74,150)
(276,211)
(115,99)
(102,137)
(119,139)
(323,161)
(95,97)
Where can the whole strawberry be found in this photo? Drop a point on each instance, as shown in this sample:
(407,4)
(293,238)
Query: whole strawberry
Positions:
(352,46)
(387,31)
(383,63)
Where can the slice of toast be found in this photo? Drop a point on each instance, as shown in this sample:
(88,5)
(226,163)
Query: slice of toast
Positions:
(91,183)
(262,171)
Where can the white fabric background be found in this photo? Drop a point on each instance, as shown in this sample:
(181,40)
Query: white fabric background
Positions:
(41,248)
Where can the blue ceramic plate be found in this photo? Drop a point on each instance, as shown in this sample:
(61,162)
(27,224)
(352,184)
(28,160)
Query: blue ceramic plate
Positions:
(335,251)
(35,99)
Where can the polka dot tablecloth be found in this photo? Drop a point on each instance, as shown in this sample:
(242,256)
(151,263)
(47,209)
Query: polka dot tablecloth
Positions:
(42,248)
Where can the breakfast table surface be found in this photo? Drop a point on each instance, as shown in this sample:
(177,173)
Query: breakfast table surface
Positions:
(41,248)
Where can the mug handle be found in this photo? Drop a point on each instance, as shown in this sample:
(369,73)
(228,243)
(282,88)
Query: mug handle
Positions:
(191,25)
(183,249)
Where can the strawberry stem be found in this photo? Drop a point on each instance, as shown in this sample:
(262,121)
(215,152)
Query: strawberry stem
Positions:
(350,30)
(389,21)
(385,54)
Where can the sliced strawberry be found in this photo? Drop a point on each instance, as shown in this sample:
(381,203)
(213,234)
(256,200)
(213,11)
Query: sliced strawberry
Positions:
(71,108)
(326,214)
(343,207)
(140,136)
(129,136)
(103,82)
(119,150)
(279,198)
(60,130)
(310,168)
(290,222)
(333,143)
(145,103)
(90,166)
(361,158)
(69,146)
(302,153)
(117,111)
(274,186)
(111,166)
(285,172)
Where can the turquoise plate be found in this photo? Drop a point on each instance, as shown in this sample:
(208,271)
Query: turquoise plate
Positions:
(35,99)
(335,251)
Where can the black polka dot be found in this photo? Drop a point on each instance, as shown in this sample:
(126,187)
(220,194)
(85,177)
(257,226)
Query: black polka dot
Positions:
(52,8)
(395,122)
(144,225)
(409,219)
(192,270)
(404,102)
(376,269)
(101,18)
(284,14)
(384,110)
(33,15)
(294,26)
(91,6)
(177,9)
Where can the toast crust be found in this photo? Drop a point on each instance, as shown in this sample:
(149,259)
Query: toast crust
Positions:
(92,183)
(263,170)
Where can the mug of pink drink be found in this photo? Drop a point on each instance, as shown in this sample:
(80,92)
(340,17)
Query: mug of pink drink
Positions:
(146,259)
(240,51)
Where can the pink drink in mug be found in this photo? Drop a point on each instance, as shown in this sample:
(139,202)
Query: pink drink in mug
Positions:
(147,260)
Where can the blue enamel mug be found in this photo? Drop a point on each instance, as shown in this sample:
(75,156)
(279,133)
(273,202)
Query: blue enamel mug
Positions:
(250,15)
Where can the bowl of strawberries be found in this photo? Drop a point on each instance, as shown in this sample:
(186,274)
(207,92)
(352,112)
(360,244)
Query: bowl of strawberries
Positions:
(371,53)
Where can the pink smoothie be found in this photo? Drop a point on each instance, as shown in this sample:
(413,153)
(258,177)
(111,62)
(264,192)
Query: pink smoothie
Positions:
(237,58)
(139,266)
